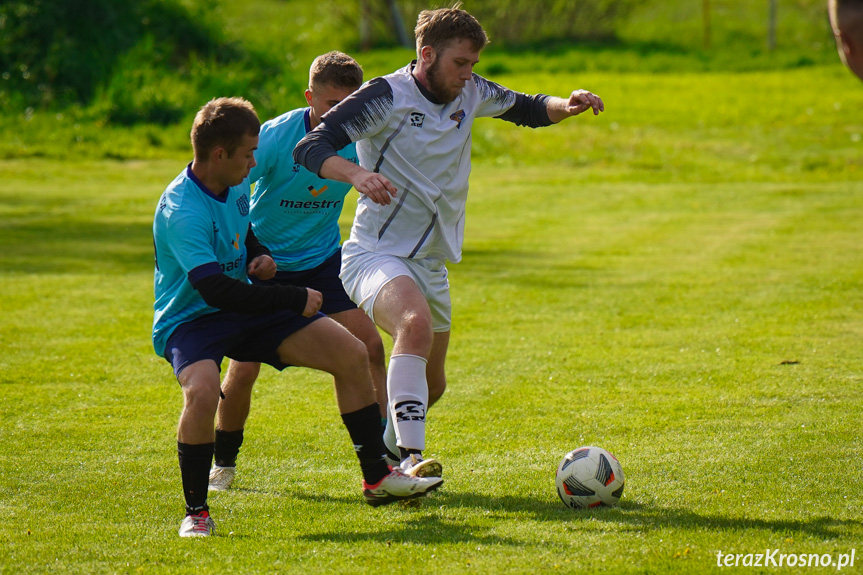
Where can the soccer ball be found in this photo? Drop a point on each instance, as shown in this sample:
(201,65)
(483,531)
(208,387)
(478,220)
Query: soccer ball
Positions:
(589,476)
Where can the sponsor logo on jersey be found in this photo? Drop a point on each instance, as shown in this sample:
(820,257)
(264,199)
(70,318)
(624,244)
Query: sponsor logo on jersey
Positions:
(243,205)
(457,117)
(315,193)
(231,266)
(311,204)
(236,242)
(417,119)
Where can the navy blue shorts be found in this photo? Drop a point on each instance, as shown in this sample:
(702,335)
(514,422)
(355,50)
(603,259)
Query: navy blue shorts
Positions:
(324,278)
(239,336)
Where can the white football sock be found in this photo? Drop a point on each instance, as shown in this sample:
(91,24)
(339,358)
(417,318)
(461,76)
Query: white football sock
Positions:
(408,393)
(390,440)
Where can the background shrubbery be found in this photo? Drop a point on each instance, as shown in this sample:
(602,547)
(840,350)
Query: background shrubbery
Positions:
(136,70)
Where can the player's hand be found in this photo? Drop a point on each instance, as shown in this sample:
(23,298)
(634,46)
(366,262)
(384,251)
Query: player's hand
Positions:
(262,267)
(375,186)
(314,299)
(581,101)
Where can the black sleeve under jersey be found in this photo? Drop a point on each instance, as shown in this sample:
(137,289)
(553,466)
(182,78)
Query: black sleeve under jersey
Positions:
(228,294)
(348,121)
(531,111)
(254,248)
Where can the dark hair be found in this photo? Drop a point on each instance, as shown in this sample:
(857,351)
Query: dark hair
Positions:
(437,28)
(335,69)
(223,122)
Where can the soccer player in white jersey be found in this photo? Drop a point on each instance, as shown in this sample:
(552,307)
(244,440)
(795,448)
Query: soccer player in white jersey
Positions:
(206,309)
(846,19)
(296,215)
(412,130)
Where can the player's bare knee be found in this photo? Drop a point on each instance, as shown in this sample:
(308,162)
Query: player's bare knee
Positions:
(415,332)
(201,397)
(375,349)
(352,357)
(242,374)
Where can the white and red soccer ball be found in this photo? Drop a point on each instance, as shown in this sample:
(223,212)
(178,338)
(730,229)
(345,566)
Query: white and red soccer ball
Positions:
(588,477)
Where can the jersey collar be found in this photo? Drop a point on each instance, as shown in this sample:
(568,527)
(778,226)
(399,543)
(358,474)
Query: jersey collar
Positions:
(223,198)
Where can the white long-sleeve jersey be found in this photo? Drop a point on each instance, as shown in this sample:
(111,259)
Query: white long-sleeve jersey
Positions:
(423,147)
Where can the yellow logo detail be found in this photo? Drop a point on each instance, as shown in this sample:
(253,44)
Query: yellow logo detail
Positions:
(236,242)
(315,193)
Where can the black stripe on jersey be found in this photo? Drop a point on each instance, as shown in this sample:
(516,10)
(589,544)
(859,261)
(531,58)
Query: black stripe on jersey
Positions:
(344,123)
(390,139)
(366,107)
(523,110)
(425,236)
(398,207)
(492,91)
(530,111)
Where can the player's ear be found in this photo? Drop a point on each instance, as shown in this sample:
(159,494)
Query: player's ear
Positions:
(427,54)
(218,154)
(308,95)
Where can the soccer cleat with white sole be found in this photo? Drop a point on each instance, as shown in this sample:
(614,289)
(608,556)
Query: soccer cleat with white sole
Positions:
(221,478)
(198,525)
(398,487)
(416,466)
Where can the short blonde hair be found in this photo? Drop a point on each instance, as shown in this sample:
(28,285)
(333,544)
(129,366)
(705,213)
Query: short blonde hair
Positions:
(335,69)
(223,122)
(437,28)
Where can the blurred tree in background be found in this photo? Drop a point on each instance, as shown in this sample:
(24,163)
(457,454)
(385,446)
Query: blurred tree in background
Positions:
(61,52)
(152,61)
(508,22)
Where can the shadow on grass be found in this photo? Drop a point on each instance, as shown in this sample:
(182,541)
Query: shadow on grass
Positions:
(524,268)
(77,245)
(432,527)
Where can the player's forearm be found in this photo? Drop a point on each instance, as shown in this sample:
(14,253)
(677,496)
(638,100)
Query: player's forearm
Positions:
(228,294)
(340,169)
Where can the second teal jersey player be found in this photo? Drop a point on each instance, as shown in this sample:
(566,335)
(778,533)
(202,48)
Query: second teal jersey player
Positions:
(295,213)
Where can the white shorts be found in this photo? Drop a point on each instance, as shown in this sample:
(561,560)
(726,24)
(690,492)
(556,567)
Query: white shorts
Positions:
(365,273)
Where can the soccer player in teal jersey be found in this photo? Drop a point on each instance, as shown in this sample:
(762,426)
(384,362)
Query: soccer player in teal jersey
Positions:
(295,214)
(846,19)
(206,309)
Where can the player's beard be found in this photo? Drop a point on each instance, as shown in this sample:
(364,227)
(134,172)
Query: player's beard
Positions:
(445,94)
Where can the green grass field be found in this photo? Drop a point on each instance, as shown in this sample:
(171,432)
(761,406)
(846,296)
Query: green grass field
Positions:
(677,280)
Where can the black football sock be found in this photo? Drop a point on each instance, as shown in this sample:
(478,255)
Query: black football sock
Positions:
(228,447)
(364,427)
(195,463)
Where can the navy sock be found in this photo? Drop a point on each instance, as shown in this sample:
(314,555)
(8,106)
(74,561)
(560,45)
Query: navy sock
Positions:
(364,427)
(195,463)
(228,447)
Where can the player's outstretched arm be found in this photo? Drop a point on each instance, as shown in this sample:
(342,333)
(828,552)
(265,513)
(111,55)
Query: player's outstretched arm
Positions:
(579,101)
(378,188)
